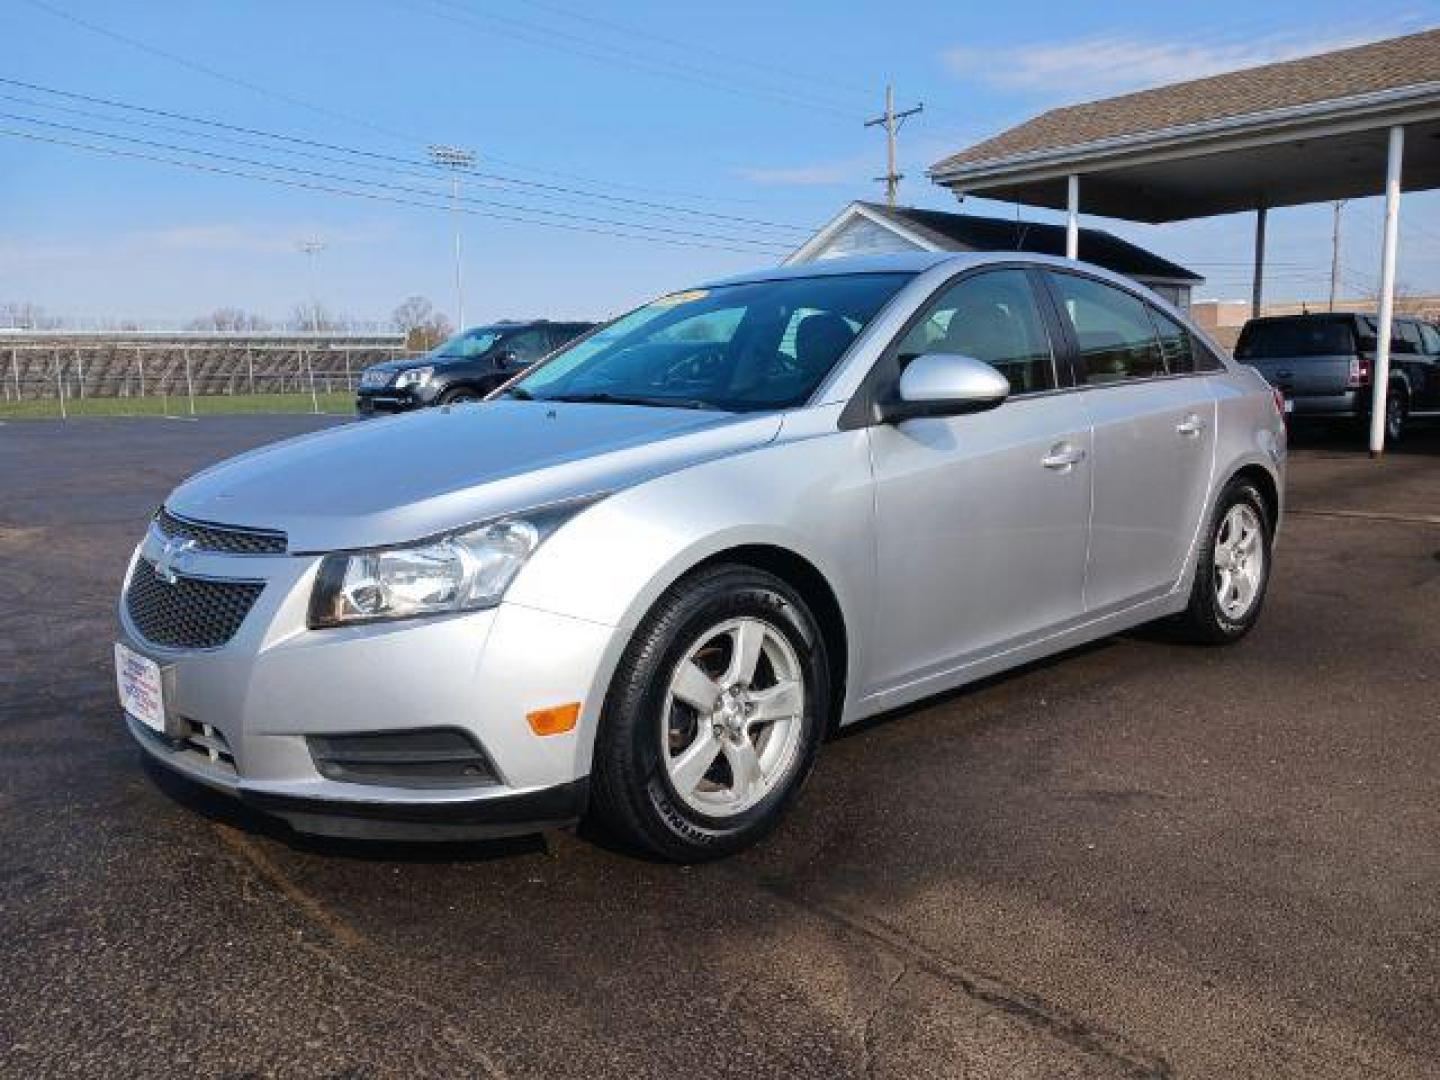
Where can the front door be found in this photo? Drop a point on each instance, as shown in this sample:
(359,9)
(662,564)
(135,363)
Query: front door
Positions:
(981,520)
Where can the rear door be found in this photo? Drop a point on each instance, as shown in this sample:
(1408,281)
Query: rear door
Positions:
(1428,400)
(1153,424)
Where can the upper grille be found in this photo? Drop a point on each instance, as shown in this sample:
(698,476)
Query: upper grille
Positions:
(194,613)
(233,539)
(373,380)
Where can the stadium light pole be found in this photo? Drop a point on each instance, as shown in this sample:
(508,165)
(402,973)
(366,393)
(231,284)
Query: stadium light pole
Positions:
(456,159)
(312,247)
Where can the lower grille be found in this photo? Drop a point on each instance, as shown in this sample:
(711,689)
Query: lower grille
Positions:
(421,758)
(193,613)
(210,743)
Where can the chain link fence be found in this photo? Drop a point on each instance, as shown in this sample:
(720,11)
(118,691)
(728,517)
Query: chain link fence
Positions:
(65,378)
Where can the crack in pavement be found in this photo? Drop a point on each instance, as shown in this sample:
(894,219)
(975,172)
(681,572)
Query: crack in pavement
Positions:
(1030,1008)
(867,1035)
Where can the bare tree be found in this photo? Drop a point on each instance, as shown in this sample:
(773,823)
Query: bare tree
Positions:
(422,325)
(23,315)
(230,320)
(313,316)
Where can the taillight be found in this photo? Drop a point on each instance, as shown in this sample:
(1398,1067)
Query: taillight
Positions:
(1279,397)
(1359,372)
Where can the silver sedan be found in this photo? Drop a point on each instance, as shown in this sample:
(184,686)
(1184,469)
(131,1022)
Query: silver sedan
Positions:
(646,579)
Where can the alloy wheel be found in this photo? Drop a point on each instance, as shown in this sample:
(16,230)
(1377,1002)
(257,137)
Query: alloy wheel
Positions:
(1239,561)
(733,717)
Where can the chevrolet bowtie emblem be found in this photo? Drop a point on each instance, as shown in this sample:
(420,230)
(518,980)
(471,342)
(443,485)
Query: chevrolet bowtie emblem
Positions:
(175,548)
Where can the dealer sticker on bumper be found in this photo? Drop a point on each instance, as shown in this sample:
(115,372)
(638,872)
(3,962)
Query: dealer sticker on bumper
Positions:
(138,678)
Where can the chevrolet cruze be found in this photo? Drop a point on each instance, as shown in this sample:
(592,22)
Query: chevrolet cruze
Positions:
(646,579)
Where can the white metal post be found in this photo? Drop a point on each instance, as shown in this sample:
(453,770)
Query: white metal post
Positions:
(310,373)
(189,383)
(140,367)
(1257,284)
(80,371)
(60,384)
(1381,377)
(15,368)
(1072,216)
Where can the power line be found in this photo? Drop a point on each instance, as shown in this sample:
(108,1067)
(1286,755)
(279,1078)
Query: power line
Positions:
(301,103)
(372,196)
(545,190)
(296,170)
(609,54)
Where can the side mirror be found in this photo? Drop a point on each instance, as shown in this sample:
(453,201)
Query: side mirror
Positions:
(945,384)
(506,357)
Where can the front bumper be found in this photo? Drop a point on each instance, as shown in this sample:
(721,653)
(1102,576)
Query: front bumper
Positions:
(276,682)
(386,402)
(392,815)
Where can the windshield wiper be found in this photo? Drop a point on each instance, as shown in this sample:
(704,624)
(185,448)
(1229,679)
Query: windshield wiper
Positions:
(633,399)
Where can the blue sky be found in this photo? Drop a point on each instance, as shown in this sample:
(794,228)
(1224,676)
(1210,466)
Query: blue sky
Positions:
(653,116)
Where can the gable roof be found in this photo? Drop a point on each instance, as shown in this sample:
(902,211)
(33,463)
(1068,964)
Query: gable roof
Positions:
(972,232)
(1410,61)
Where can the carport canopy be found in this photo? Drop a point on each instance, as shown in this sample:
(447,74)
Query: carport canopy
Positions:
(1344,124)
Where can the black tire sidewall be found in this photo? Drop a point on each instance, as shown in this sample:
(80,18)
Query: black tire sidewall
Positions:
(1218,623)
(635,707)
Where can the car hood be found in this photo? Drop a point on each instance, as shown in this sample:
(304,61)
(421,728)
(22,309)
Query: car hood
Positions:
(407,477)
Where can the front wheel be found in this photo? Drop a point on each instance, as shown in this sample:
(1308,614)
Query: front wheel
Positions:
(1233,570)
(461,395)
(714,716)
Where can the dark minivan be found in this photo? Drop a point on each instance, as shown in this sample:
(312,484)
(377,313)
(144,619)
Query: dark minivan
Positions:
(465,368)
(1323,363)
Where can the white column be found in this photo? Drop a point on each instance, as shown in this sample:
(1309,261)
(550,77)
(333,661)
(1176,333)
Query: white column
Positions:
(1257,283)
(1072,216)
(1381,376)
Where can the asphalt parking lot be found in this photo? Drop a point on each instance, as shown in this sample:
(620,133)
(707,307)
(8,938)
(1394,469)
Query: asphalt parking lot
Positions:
(1140,859)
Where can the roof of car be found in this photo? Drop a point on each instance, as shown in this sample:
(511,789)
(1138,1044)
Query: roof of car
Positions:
(907,262)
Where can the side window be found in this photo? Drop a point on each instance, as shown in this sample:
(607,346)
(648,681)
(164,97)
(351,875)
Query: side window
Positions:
(1430,338)
(528,345)
(1406,338)
(1116,338)
(991,317)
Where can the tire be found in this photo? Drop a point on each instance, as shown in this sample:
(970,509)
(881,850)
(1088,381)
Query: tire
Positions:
(1397,414)
(1209,620)
(650,782)
(460,395)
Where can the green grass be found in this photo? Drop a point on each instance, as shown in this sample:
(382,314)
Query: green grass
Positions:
(209,405)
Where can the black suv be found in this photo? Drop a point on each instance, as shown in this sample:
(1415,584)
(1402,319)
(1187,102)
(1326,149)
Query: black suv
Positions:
(465,368)
(1323,365)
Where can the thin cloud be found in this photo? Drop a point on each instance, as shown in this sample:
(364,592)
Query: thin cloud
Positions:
(1108,64)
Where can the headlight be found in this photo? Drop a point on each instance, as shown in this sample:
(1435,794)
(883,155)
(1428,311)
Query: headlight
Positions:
(415,376)
(463,572)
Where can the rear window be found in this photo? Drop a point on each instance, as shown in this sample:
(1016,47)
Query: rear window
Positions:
(1286,338)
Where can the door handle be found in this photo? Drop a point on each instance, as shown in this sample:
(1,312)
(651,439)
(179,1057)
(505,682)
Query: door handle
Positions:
(1192,425)
(1063,457)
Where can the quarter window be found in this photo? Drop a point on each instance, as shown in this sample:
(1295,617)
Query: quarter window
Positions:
(1431,337)
(1113,331)
(991,317)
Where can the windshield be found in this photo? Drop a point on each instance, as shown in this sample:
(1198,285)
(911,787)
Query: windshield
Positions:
(1274,339)
(737,348)
(463,346)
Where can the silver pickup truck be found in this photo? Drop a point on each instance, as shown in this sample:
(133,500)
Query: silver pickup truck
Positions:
(1323,365)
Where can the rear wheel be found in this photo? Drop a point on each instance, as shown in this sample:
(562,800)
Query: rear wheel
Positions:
(1233,570)
(714,716)
(1397,414)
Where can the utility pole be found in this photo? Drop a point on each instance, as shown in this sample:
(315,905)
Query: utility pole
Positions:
(892,121)
(1335,254)
(456,159)
(312,247)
